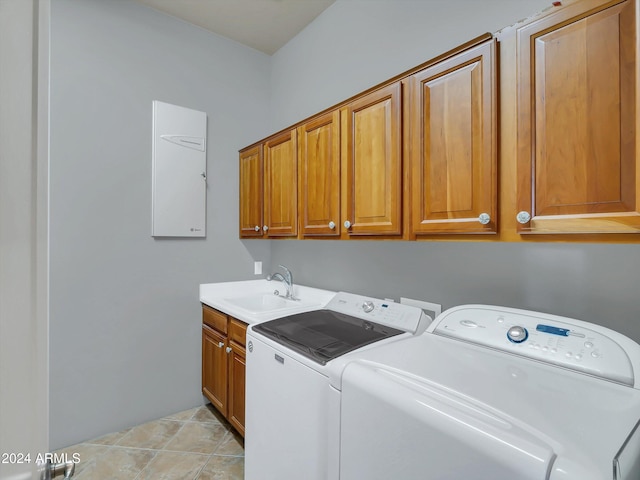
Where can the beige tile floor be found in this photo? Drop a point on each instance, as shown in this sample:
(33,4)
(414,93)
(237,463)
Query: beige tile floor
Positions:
(196,444)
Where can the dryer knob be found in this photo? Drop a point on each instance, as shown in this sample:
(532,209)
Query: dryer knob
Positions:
(517,334)
(368,306)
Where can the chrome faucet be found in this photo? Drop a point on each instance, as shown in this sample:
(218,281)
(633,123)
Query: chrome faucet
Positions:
(287,279)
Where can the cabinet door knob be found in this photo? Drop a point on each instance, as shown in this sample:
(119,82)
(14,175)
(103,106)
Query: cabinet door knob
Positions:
(347,224)
(220,344)
(228,350)
(332,225)
(484,218)
(523,217)
(265,228)
(257,228)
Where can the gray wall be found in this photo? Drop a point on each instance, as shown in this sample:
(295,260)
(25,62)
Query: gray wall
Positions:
(356,44)
(597,283)
(125,317)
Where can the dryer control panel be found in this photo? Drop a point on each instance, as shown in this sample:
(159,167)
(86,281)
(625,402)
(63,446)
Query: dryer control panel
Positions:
(403,317)
(565,342)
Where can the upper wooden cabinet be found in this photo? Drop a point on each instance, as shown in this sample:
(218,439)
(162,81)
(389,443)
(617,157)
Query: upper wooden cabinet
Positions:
(268,188)
(418,157)
(577,119)
(251,192)
(453,144)
(280,185)
(373,163)
(319,176)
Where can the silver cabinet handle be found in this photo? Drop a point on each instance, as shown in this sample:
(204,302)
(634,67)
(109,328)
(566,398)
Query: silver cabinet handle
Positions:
(265,228)
(332,225)
(484,218)
(228,350)
(347,224)
(523,217)
(256,228)
(220,344)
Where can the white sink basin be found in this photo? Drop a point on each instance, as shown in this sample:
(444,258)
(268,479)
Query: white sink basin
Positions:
(253,300)
(267,303)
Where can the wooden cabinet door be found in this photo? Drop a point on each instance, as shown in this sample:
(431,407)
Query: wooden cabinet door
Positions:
(251,192)
(453,144)
(373,172)
(214,368)
(319,176)
(237,370)
(577,120)
(280,186)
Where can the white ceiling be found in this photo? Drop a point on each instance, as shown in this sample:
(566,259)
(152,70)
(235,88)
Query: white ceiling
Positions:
(265,25)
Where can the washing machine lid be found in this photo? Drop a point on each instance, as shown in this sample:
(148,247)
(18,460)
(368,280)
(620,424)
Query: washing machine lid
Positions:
(575,421)
(397,425)
(323,335)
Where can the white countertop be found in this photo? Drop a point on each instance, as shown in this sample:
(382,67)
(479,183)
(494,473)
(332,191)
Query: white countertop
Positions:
(217,295)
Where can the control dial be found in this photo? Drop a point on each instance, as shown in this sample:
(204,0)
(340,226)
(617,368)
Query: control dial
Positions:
(517,334)
(368,306)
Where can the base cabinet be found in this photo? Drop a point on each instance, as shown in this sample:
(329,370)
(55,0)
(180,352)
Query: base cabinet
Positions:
(223,364)
(237,369)
(214,368)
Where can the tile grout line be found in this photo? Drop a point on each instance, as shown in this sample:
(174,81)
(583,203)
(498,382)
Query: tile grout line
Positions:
(154,450)
(202,468)
(139,475)
(164,448)
(213,422)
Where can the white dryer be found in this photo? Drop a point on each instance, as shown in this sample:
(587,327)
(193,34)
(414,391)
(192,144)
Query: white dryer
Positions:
(493,393)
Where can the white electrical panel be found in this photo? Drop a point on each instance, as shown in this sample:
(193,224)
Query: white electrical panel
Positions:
(179,171)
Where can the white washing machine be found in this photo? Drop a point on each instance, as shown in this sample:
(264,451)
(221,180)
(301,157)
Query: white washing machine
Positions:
(292,409)
(492,393)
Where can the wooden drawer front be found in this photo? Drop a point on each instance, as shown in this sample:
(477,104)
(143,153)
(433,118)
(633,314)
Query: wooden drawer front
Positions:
(215,319)
(237,331)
